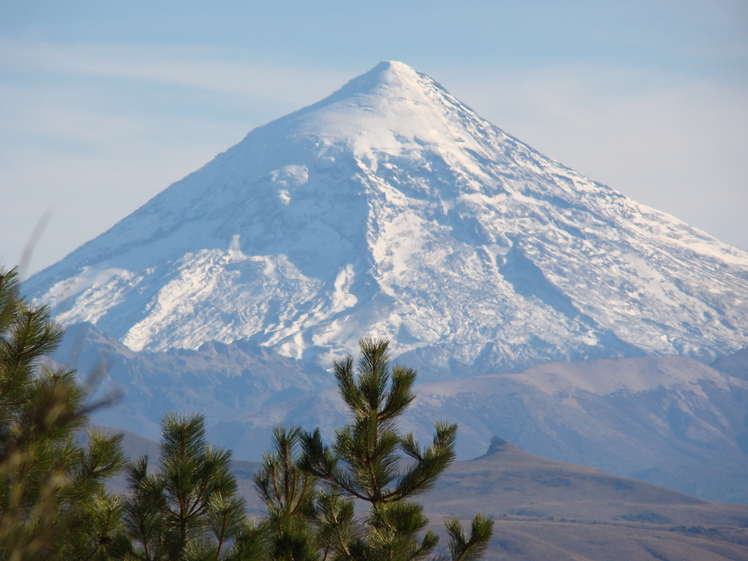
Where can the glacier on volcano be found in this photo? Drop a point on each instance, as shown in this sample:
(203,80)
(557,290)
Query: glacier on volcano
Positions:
(392,209)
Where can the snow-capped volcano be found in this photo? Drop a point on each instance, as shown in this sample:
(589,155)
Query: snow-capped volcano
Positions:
(391,209)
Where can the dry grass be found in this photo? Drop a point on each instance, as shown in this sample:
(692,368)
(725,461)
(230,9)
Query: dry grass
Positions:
(546,510)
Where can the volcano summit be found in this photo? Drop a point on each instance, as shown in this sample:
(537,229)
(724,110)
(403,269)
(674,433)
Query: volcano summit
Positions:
(391,209)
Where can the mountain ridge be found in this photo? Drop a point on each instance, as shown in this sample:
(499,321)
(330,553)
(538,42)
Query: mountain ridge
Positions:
(670,421)
(546,509)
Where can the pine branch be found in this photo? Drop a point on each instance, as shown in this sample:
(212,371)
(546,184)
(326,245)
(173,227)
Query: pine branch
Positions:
(463,548)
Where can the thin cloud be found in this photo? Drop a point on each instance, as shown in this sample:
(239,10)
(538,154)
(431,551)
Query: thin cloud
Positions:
(207,68)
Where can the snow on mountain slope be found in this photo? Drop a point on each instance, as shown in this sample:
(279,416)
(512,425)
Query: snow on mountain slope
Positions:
(391,209)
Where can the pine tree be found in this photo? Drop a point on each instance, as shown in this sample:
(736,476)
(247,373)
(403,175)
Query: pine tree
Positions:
(53,504)
(305,521)
(190,508)
(289,495)
(366,463)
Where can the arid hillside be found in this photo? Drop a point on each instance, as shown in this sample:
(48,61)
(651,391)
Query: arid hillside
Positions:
(546,510)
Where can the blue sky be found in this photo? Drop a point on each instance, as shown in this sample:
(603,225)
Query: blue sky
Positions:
(104,104)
